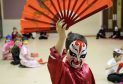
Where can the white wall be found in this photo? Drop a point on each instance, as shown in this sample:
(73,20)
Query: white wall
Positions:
(89,26)
(8,26)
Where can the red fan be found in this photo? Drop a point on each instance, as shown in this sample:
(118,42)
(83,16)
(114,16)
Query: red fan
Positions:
(42,15)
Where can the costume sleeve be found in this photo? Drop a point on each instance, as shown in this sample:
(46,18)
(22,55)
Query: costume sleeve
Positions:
(5,50)
(24,51)
(55,65)
(55,55)
(109,62)
(92,78)
(87,74)
(25,54)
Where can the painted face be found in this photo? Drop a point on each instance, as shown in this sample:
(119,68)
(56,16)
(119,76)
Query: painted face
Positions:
(77,53)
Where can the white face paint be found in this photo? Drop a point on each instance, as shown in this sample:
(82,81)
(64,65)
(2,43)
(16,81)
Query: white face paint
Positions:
(77,52)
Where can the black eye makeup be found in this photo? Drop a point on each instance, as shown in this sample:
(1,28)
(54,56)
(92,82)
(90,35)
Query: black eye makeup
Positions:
(72,53)
(82,56)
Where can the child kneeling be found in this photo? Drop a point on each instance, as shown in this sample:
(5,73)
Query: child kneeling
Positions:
(113,67)
(26,58)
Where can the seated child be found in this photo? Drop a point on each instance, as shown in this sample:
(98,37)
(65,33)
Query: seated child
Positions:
(101,33)
(116,33)
(26,58)
(14,33)
(19,39)
(27,36)
(34,34)
(43,35)
(6,52)
(113,67)
(73,69)
(15,52)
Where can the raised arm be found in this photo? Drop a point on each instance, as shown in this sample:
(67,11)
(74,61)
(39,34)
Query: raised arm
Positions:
(113,65)
(55,61)
(62,36)
(110,66)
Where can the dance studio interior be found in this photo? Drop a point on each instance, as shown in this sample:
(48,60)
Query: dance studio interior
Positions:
(34,32)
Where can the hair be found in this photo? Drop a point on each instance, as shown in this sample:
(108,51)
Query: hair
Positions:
(72,37)
(14,28)
(115,54)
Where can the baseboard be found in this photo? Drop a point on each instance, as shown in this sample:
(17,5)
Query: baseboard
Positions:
(90,35)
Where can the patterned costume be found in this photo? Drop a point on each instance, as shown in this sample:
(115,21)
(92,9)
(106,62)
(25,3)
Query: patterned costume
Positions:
(7,55)
(14,34)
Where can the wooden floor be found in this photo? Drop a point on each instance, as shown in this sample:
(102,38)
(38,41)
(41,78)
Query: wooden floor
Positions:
(99,51)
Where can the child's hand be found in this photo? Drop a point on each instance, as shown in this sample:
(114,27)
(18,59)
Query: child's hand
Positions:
(60,27)
(34,55)
(120,62)
(61,24)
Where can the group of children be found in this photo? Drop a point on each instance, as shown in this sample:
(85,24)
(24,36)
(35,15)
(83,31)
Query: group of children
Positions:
(114,69)
(102,33)
(66,66)
(17,50)
(43,35)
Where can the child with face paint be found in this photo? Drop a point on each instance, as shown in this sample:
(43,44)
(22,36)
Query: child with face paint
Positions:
(73,70)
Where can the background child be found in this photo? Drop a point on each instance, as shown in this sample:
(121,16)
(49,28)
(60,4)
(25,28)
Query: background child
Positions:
(14,33)
(73,70)
(26,59)
(19,40)
(116,33)
(101,33)
(43,35)
(27,36)
(113,74)
(6,52)
(15,53)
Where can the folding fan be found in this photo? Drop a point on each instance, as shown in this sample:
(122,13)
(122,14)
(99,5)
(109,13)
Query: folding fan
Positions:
(42,15)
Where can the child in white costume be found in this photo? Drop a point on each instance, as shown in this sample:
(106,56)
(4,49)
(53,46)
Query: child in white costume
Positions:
(26,57)
(114,65)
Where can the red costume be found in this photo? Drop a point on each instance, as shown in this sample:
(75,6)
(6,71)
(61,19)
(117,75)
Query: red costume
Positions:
(14,34)
(63,73)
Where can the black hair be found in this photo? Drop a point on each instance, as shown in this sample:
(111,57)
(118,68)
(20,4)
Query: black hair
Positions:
(115,54)
(14,28)
(72,37)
